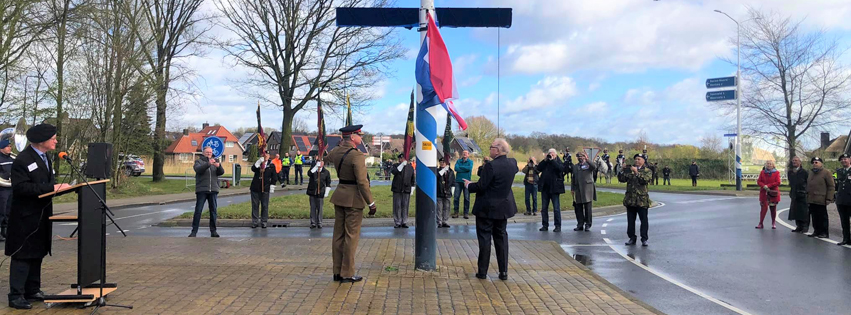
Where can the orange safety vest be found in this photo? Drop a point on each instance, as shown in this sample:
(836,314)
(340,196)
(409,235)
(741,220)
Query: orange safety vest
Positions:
(277,163)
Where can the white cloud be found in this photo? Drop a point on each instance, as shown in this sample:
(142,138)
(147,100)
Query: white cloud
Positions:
(547,92)
(558,37)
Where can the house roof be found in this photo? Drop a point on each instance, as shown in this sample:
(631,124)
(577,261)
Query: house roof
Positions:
(468,144)
(192,143)
(762,155)
(247,137)
(837,145)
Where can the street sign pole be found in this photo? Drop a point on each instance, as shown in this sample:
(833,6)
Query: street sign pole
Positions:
(738,112)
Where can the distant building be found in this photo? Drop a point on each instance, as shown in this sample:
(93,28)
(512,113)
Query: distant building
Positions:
(760,156)
(303,143)
(833,148)
(186,148)
(248,140)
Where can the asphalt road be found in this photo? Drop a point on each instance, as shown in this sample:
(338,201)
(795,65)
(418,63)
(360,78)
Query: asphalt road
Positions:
(705,257)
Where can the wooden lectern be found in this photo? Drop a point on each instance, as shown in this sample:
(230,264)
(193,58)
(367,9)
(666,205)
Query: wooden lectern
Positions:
(91,244)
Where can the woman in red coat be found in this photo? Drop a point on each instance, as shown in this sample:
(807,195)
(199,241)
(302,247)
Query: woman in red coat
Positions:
(769,194)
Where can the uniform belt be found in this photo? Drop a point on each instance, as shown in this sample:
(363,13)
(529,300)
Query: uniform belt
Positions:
(348,182)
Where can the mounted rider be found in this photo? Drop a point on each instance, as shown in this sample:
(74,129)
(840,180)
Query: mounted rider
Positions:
(606,158)
(620,159)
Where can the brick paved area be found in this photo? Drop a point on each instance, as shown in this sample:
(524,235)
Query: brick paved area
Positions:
(161,275)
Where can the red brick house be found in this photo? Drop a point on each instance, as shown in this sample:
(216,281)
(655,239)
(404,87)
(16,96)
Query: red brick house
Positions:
(187,148)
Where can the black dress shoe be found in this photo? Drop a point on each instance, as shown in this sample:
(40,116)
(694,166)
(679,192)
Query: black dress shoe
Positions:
(466,217)
(822,236)
(812,235)
(587,228)
(214,234)
(254,226)
(481,276)
(630,242)
(445,225)
(643,243)
(38,296)
(557,229)
(578,229)
(338,278)
(404,226)
(503,276)
(352,279)
(20,304)
(543,229)
(843,243)
(192,234)
(397,226)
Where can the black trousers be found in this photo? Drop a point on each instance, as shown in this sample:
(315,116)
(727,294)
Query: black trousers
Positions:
(641,212)
(24,277)
(694,180)
(485,230)
(5,205)
(583,214)
(802,225)
(666,181)
(819,219)
(845,220)
(299,176)
(285,175)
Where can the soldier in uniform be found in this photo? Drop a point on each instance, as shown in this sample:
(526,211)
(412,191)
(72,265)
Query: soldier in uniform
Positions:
(666,176)
(6,160)
(349,199)
(606,158)
(843,197)
(568,163)
(636,199)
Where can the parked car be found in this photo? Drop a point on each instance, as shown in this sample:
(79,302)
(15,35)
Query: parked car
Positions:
(133,164)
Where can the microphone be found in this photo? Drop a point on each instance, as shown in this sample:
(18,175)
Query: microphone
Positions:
(64,156)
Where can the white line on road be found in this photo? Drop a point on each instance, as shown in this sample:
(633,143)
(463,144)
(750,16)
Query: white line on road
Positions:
(675,282)
(792,227)
(144,214)
(708,200)
(605,224)
(603,232)
(610,220)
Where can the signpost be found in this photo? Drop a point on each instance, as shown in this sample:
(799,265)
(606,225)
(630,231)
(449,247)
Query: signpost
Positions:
(714,96)
(216,144)
(720,82)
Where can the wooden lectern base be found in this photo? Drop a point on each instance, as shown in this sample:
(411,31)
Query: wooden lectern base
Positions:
(94,292)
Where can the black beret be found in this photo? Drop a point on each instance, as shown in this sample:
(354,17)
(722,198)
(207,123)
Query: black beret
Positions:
(41,133)
(639,155)
(347,130)
(840,157)
(813,160)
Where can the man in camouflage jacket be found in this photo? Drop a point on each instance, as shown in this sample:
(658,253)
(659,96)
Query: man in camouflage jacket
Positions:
(636,199)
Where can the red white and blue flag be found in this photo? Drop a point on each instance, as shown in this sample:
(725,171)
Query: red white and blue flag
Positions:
(434,73)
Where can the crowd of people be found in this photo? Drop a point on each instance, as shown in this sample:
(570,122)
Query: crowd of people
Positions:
(810,192)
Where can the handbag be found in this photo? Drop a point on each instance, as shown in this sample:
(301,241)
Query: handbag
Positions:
(772,193)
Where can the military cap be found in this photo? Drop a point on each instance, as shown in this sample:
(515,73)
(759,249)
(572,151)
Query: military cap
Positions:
(639,155)
(4,143)
(352,129)
(840,157)
(814,159)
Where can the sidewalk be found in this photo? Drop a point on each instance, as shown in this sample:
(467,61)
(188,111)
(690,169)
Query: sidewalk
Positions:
(160,275)
(567,215)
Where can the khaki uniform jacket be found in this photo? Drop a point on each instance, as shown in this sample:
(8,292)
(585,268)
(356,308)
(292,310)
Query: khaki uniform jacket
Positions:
(353,169)
(820,187)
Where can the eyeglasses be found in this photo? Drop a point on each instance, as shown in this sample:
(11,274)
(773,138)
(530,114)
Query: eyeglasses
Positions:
(493,147)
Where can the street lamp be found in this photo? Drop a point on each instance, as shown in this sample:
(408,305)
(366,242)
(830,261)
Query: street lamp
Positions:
(738,105)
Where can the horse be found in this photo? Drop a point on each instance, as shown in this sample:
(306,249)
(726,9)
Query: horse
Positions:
(603,168)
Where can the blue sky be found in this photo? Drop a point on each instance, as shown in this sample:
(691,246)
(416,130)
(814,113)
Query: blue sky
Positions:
(603,69)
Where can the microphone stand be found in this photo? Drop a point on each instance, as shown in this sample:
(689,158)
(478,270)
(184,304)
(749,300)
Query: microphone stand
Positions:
(101,301)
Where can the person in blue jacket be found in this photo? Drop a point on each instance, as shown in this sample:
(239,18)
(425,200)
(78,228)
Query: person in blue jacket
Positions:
(463,170)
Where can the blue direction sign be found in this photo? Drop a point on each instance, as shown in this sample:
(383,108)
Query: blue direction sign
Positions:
(217,145)
(730,134)
(714,96)
(720,82)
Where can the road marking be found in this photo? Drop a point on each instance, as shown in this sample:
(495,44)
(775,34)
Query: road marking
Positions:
(610,220)
(603,232)
(605,224)
(585,245)
(708,200)
(675,282)
(792,228)
(144,227)
(144,214)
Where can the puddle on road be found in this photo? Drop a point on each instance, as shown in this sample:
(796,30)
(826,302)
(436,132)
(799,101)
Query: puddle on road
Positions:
(583,259)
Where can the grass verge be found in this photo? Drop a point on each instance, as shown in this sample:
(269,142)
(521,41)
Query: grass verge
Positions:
(297,206)
(136,187)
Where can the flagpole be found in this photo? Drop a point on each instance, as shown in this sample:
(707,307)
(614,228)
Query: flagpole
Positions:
(426,131)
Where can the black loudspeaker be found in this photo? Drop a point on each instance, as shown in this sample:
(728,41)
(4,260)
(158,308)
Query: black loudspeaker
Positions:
(99,162)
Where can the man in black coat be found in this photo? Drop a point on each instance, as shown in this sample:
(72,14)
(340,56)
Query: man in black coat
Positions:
(29,225)
(798,206)
(694,172)
(494,206)
(552,185)
(260,190)
(666,176)
(403,182)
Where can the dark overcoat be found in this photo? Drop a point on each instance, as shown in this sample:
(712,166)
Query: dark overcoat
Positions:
(29,232)
(494,197)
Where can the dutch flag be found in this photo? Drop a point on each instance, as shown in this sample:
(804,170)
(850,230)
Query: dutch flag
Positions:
(434,73)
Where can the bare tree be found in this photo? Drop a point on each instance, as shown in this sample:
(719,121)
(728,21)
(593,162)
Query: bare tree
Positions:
(795,80)
(168,30)
(481,130)
(295,48)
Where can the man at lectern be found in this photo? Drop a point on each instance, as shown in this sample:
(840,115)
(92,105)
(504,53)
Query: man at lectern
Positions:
(29,229)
